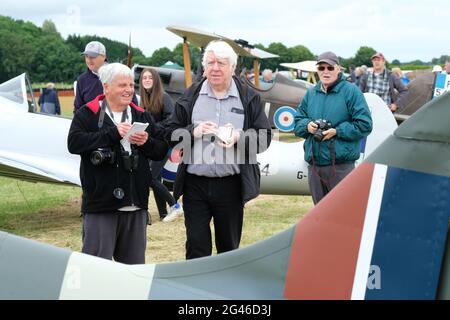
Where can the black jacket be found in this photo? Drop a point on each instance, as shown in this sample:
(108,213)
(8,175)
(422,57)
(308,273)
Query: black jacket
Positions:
(254,118)
(162,117)
(99,182)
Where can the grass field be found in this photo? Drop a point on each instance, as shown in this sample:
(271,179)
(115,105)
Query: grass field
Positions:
(66,106)
(51,214)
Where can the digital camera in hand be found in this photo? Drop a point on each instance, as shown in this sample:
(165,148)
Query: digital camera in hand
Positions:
(102,155)
(322,125)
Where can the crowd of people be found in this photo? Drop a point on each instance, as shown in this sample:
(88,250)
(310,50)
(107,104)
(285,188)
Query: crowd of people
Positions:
(219,114)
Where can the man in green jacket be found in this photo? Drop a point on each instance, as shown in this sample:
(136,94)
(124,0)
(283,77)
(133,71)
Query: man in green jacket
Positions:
(333,118)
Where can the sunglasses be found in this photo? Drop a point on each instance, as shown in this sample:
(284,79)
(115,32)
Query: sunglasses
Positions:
(322,68)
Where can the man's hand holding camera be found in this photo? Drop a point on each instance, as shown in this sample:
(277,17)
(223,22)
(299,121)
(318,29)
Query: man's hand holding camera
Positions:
(312,127)
(328,134)
(321,130)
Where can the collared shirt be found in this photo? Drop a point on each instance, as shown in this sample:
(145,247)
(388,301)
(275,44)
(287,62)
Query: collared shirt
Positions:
(378,83)
(208,158)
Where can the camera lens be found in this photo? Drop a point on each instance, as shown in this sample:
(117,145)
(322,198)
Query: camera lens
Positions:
(96,158)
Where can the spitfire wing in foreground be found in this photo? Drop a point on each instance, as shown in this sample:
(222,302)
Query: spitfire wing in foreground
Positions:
(380,234)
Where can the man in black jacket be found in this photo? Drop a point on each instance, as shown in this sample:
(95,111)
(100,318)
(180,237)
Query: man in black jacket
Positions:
(223,127)
(114,169)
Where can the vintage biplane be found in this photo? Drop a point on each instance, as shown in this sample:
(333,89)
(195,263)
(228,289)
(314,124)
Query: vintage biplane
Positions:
(279,100)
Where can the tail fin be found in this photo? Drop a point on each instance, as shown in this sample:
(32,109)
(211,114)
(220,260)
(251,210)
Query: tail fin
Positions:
(381,234)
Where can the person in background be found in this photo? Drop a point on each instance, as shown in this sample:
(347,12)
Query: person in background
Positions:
(267,76)
(359,73)
(89,85)
(398,73)
(436,69)
(447,66)
(49,101)
(160,105)
(333,117)
(383,83)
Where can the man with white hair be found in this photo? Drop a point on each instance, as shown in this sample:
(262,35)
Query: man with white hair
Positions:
(114,169)
(214,183)
(267,76)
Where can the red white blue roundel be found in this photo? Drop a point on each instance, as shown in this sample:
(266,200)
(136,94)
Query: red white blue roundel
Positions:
(283,118)
(169,171)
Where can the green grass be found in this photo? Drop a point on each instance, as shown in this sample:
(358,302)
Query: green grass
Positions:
(51,214)
(58,85)
(19,199)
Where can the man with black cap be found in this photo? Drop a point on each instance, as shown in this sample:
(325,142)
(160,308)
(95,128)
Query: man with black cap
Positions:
(384,83)
(333,117)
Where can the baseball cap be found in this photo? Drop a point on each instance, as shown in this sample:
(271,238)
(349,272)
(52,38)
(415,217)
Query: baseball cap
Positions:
(328,57)
(437,68)
(378,55)
(94,48)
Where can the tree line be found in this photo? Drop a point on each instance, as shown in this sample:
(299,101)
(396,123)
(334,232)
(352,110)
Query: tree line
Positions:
(46,56)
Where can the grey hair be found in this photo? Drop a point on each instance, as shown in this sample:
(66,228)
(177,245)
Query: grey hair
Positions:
(108,72)
(221,50)
(267,71)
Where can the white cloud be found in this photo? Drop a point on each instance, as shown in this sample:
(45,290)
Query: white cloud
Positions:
(402,29)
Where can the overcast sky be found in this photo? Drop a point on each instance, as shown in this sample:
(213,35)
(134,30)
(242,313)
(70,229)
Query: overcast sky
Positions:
(401,29)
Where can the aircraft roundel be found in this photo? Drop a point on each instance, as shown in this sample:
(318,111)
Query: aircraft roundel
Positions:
(169,170)
(283,118)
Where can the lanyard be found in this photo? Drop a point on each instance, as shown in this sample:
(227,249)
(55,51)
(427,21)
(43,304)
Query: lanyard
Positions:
(105,106)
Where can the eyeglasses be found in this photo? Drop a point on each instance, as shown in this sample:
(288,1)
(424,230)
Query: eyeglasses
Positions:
(322,68)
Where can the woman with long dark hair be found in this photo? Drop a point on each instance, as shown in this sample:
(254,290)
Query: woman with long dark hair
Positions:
(160,105)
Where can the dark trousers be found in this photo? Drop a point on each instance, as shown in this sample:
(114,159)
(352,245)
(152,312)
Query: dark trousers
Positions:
(160,192)
(219,199)
(322,179)
(120,235)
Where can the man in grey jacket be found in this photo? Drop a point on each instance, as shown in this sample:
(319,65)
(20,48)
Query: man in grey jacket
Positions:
(384,83)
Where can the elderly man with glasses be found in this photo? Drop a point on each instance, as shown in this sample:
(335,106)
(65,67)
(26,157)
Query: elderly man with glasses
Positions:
(225,126)
(333,117)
